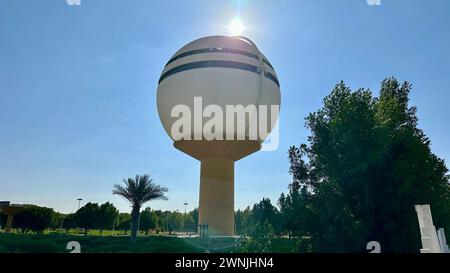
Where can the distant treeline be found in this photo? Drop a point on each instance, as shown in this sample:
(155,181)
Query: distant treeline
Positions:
(102,217)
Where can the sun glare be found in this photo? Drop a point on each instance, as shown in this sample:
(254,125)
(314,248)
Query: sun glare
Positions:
(236,27)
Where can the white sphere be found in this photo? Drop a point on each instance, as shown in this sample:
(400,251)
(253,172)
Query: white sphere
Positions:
(221,71)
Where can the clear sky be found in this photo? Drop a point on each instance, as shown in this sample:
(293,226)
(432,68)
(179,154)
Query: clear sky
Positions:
(78,86)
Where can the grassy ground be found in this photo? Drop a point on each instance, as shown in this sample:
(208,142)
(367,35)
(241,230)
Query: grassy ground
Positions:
(93,232)
(57,243)
(108,244)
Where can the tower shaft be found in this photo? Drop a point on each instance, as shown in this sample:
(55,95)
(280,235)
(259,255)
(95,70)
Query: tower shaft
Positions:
(216,201)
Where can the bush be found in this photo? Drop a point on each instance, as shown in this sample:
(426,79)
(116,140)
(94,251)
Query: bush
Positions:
(258,241)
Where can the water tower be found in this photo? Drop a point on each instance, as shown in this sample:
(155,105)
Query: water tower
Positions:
(218,98)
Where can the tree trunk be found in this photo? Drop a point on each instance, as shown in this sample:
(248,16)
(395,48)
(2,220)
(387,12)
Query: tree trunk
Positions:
(134,222)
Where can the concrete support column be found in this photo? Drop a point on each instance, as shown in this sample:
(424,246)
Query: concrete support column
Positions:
(217,157)
(216,208)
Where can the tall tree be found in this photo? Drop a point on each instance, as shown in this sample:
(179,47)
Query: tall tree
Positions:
(175,221)
(86,217)
(107,214)
(244,221)
(56,220)
(188,222)
(124,222)
(138,191)
(367,165)
(69,222)
(191,220)
(148,220)
(264,212)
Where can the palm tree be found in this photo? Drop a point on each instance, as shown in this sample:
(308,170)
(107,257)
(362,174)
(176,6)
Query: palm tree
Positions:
(139,191)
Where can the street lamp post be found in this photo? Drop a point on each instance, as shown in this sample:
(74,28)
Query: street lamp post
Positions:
(61,227)
(79,201)
(185,204)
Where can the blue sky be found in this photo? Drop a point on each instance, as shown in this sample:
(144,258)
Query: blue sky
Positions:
(78,86)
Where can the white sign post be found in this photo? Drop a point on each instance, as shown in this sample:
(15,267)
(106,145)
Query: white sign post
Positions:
(432,242)
(442,241)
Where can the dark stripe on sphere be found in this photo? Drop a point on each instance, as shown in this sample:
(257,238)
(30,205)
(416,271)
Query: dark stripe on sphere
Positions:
(216,64)
(270,76)
(218,50)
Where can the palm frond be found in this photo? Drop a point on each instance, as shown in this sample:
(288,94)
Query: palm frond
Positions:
(140,190)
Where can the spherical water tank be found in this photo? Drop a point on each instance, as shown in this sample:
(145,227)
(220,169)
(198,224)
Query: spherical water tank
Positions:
(221,71)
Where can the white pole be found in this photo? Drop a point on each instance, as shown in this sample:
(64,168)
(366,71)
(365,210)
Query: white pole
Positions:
(60,228)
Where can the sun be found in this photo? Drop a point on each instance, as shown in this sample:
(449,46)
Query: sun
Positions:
(236,27)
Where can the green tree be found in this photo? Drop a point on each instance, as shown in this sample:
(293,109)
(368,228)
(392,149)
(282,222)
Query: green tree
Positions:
(174,221)
(294,211)
(259,240)
(194,215)
(294,206)
(87,217)
(124,222)
(107,214)
(243,221)
(138,191)
(148,220)
(331,223)
(159,216)
(367,165)
(33,218)
(190,221)
(57,218)
(263,212)
(69,222)
(238,221)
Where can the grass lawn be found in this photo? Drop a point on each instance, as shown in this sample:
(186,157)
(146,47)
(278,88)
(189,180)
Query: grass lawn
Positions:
(108,244)
(57,243)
